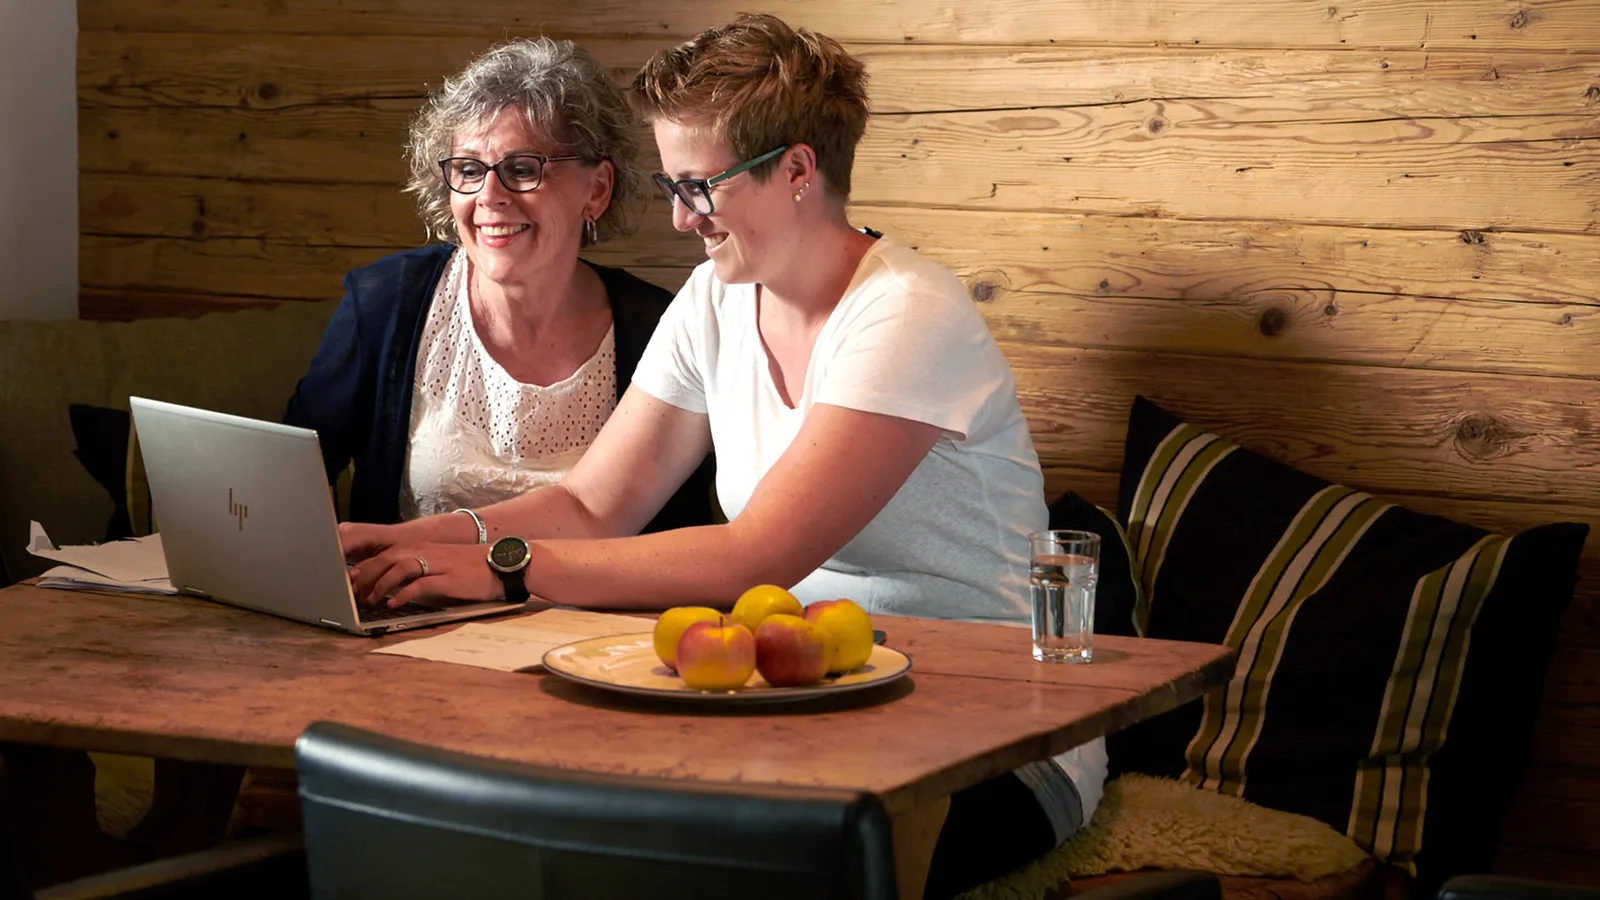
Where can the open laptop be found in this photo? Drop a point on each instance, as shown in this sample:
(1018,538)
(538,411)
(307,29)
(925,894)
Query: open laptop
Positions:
(246,518)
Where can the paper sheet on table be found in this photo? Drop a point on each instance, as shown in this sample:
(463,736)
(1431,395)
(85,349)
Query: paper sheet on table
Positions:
(136,559)
(133,565)
(519,643)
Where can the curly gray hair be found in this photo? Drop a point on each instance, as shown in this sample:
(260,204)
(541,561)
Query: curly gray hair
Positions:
(565,96)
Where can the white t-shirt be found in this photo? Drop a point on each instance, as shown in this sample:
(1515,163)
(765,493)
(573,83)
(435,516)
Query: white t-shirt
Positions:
(904,341)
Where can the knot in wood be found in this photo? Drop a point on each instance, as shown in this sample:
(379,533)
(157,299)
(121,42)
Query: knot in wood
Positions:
(984,291)
(1104,285)
(1519,19)
(267,91)
(1592,94)
(1273,321)
(1330,310)
(1471,237)
(1482,436)
(1155,125)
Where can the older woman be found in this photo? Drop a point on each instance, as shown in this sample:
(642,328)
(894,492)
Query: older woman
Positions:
(474,370)
(868,436)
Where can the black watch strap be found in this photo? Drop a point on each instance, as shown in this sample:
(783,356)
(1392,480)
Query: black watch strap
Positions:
(516,588)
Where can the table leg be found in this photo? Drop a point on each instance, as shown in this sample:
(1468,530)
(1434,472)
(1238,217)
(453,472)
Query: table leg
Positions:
(916,833)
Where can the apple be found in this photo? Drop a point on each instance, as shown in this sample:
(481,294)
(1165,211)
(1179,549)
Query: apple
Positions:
(716,656)
(847,630)
(761,601)
(671,626)
(790,651)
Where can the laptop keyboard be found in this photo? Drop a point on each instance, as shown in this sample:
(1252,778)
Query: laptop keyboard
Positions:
(382,613)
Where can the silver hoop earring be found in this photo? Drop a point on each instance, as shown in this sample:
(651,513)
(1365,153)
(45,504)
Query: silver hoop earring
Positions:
(591,230)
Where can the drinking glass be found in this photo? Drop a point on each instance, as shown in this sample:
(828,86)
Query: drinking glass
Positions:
(1062,569)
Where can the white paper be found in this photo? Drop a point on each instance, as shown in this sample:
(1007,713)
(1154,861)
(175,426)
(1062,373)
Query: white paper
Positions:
(519,643)
(73,578)
(130,562)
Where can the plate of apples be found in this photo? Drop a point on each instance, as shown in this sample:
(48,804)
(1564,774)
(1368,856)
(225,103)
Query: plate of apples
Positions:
(769,649)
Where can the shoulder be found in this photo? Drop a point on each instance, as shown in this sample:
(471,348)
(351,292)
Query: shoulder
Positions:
(897,279)
(398,284)
(397,269)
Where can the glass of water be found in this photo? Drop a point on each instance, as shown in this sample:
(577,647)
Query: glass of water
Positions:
(1062,569)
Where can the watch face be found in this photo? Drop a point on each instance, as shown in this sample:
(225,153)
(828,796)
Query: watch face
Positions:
(509,553)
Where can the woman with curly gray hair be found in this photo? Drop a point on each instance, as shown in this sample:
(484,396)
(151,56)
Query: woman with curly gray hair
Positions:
(473,370)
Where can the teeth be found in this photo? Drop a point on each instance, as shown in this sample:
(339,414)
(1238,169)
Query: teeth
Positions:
(501,230)
(714,241)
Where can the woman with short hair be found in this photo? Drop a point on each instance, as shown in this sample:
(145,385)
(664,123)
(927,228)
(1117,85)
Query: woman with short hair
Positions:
(868,436)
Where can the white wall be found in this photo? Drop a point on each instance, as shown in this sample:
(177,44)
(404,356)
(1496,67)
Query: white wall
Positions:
(38,159)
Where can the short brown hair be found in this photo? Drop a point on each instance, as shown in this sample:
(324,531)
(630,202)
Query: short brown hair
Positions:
(759,84)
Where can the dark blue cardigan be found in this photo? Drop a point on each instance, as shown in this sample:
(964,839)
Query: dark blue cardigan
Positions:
(357,393)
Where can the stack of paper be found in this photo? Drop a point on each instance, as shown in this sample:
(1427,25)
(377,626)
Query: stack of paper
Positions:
(519,643)
(135,565)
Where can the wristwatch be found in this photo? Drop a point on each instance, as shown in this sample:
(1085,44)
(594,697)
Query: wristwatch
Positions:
(508,557)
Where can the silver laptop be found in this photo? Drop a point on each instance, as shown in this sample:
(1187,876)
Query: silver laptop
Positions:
(246,518)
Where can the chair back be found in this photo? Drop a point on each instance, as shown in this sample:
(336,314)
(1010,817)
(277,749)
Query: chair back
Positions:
(389,818)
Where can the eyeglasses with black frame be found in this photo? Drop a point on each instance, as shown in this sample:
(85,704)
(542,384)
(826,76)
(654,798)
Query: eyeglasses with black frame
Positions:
(518,173)
(695,193)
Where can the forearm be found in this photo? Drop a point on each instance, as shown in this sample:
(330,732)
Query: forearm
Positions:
(550,513)
(710,565)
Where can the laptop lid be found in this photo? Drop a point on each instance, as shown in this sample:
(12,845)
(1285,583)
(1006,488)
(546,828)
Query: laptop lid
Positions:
(246,517)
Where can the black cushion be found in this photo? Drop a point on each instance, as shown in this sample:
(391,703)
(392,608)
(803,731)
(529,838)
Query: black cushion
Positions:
(1390,664)
(1116,594)
(101,435)
(388,818)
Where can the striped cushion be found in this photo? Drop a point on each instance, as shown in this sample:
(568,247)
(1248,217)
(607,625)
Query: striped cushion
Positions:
(1390,663)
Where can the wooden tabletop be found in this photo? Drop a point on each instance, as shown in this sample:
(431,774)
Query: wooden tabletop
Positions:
(190,679)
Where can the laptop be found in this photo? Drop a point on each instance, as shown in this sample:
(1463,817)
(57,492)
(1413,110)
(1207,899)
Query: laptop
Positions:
(246,518)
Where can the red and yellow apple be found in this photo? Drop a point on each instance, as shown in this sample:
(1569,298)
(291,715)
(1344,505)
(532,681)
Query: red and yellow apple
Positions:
(716,656)
(761,601)
(847,631)
(790,651)
(671,626)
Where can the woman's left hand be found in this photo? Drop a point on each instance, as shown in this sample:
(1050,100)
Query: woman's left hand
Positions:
(423,572)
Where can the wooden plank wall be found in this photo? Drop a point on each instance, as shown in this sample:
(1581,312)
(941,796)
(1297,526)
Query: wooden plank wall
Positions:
(1362,236)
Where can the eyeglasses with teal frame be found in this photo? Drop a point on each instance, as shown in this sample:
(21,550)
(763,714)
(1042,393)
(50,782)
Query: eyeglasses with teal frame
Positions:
(695,193)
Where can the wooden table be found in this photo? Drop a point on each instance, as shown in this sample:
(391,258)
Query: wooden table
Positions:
(189,679)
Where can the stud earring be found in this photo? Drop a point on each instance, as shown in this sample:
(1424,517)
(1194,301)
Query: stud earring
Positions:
(802,192)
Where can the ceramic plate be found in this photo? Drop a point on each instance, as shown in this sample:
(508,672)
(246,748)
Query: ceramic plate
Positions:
(627,663)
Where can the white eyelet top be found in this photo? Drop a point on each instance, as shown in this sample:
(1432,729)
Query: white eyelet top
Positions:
(479,436)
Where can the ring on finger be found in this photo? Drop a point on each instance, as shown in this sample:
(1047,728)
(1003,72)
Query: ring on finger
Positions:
(423,562)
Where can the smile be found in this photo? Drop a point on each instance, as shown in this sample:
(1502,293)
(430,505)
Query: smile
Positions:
(502,230)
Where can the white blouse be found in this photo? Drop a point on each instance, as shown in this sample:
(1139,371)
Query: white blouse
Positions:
(479,436)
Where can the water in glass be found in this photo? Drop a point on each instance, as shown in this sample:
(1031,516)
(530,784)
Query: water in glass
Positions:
(1062,588)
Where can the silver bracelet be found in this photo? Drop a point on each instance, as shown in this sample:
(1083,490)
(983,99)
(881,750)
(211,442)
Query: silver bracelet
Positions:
(483,533)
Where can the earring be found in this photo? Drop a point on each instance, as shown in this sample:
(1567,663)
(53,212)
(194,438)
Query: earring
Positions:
(802,192)
(591,231)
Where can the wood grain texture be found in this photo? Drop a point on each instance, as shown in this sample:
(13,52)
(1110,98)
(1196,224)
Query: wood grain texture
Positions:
(197,680)
(1404,431)
(1188,159)
(274,71)
(1156,158)
(1530,24)
(995,253)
